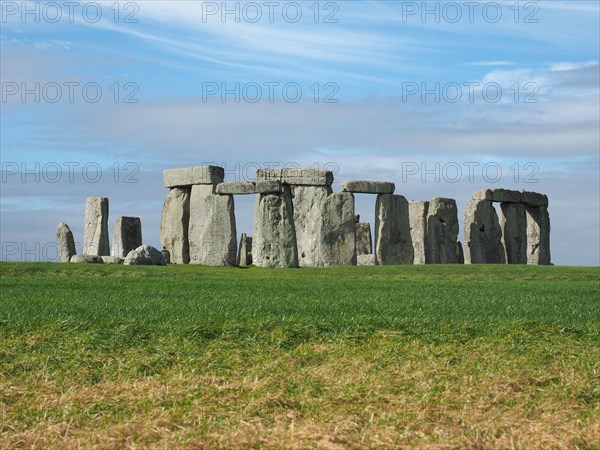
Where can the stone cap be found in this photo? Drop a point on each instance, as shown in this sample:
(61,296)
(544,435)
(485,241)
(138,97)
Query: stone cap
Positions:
(297,177)
(507,195)
(368,187)
(534,198)
(190,176)
(236,188)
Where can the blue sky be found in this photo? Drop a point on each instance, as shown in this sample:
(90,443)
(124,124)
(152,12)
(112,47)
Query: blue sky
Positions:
(527,74)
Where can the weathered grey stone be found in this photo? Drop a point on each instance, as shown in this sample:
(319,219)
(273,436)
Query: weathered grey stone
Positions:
(89,259)
(274,240)
(356,218)
(366,260)
(513,224)
(212,232)
(483,194)
(174,225)
(325,227)
(112,260)
(268,187)
(127,235)
(538,235)
(368,187)
(417,214)
(309,204)
(505,195)
(534,199)
(95,227)
(442,232)
(339,230)
(237,188)
(245,251)
(166,255)
(298,177)
(364,243)
(483,235)
(460,255)
(65,242)
(393,244)
(145,255)
(189,176)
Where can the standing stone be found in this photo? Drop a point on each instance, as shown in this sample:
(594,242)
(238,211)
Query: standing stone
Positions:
(513,224)
(65,242)
(274,240)
(538,235)
(364,244)
(417,214)
(309,204)
(393,244)
(95,227)
(483,235)
(441,245)
(325,226)
(166,255)
(174,225)
(338,230)
(127,235)
(212,231)
(245,251)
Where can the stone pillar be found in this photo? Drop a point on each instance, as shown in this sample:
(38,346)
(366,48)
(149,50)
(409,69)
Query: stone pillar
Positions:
(513,224)
(417,214)
(245,251)
(95,227)
(441,245)
(393,243)
(174,225)
(538,235)
(127,235)
(364,244)
(274,240)
(309,204)
(338,230)
(65,242)
(212,231)
(483,235)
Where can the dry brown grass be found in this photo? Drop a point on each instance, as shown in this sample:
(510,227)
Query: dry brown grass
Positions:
(382,393)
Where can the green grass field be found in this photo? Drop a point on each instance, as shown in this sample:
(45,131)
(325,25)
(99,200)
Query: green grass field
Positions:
(459,356)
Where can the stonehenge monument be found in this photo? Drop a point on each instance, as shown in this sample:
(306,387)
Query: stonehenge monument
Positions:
(300,222)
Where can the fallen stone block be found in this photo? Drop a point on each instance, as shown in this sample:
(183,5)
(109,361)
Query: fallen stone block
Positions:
(145,255)
(88,259)
(366,260)
(112,260)
(190,176)
(368,187)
